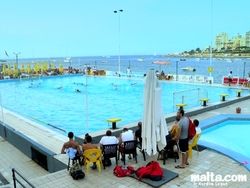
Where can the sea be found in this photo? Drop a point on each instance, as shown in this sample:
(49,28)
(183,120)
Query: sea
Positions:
(221,66)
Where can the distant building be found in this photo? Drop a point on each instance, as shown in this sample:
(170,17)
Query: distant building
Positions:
(221,41)
(248,39)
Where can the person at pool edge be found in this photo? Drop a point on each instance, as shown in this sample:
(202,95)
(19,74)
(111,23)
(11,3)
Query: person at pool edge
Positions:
(126,135)
(182,137)
(230,78)
(89,145)
(198,131)
(71,148)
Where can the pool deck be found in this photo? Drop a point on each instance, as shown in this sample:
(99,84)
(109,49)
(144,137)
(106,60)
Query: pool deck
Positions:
(207,160)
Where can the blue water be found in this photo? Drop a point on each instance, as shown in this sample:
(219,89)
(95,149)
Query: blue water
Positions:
(98,101)
(220,67)
(231,134)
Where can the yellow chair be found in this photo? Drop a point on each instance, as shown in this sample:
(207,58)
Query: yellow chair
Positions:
(91,156)
(195,143)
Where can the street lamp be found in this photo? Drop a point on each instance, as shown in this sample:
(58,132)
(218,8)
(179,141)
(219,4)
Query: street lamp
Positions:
(119,57)
(16,58)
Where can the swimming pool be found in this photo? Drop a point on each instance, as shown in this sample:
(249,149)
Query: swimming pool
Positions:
(228,134)
(107,97)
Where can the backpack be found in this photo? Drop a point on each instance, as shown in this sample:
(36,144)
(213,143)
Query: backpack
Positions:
(122,171)
(152,171)
(191,129)
(76,171)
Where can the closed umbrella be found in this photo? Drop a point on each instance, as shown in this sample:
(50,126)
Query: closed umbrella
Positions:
(28,68)
(22,68)
(61,68)
(4,69)
(15,69)
(9,70)
(154,126)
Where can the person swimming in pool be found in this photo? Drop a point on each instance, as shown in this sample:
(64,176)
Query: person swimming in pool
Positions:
(77,90)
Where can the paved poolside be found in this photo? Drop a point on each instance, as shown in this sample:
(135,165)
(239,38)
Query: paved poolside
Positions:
(206,161)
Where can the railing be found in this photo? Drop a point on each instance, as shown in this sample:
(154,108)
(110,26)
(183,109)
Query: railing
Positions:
(15,179)
(189,96)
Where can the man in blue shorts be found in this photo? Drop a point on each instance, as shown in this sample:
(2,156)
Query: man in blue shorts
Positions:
(182,137)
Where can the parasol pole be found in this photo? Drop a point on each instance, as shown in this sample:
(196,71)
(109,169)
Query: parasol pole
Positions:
(87,126)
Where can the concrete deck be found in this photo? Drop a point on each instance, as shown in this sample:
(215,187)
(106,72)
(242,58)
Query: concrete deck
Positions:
(206,161)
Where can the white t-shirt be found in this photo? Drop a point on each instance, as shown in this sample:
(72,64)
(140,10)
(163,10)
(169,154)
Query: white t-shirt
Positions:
(127,136)
(198,131)
(106,140)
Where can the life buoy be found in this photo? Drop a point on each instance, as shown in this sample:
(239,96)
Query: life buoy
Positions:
(210,69)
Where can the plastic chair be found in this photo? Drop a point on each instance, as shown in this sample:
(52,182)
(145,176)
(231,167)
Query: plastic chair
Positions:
(168,151)
(139,145)
(91,156)
(195,143)
(129,147)
(73,159)
(109,151)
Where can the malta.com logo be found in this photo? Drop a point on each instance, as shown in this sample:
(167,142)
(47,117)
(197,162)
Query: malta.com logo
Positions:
(210,179)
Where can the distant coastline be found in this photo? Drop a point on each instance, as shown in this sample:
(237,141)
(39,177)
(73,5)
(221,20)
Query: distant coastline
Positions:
(214,55)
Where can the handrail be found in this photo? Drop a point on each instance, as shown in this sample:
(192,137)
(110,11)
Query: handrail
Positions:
(188,93)
(15,179)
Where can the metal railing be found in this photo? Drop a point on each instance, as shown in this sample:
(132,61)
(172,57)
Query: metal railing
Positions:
(189,96)
(14,172)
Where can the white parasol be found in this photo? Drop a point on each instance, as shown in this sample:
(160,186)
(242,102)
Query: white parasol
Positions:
(154,126)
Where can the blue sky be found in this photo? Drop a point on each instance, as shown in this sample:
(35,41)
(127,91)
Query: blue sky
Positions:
(63,28)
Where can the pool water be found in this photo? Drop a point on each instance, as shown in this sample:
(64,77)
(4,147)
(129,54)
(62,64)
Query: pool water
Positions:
(101,98)
(231,134)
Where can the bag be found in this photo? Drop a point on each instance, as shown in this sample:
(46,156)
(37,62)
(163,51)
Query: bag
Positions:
(107,162)
(122,171)
(191,129)
(152,171)
(76,171)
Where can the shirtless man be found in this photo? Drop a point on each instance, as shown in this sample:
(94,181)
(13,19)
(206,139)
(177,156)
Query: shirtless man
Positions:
(71,147)
(89,145)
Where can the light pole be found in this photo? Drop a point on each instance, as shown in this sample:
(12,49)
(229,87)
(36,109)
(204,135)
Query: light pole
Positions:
(119,56)
(17,58)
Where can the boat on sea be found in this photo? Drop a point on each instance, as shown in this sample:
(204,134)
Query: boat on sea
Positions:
(189,69)
(104,61)
(67,60)
(183,59)
(141,59)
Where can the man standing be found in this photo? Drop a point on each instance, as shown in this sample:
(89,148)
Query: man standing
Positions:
(71,147)
(230,78)
(182,137)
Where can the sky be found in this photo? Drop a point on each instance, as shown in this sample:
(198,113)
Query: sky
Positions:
(67,28)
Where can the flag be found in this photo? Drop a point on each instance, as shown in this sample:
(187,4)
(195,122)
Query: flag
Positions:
(6,53)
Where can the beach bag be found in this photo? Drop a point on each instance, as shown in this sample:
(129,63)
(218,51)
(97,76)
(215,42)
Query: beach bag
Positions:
(122,171)
(76,171)
(191,129)
(152,171)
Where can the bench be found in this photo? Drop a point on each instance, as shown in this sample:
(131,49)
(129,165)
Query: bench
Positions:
(223,96)
(181,105)
(238,92)
(204,100)
(113,121)
(243,81)
(226,80)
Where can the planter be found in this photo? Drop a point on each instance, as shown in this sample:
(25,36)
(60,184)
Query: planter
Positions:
(238,110)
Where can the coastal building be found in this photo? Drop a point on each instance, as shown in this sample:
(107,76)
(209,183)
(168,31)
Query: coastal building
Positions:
(248,39)
(238,41)
(221,41)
